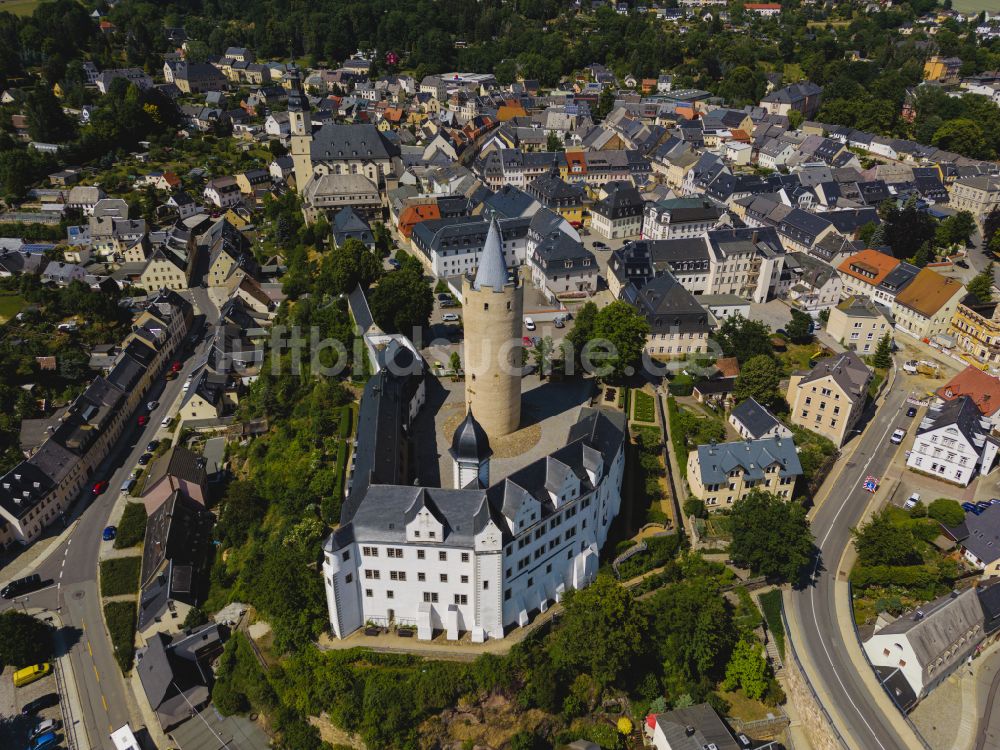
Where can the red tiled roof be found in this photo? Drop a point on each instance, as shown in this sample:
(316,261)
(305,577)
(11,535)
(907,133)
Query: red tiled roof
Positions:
(982,388)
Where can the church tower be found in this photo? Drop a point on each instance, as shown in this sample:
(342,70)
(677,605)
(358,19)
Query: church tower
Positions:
(470,450)
(492,304)
(301,132)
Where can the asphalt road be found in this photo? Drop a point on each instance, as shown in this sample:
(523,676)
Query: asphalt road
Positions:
(73,568)
(835,676)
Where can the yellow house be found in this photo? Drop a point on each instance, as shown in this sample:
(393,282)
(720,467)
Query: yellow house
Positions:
(720,474)
(559,196)
(204,398)
(975,326)
(164,271)
(830,398)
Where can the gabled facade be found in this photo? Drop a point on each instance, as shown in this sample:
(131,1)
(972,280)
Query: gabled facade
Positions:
(953,443)
(720,474)
(830,398)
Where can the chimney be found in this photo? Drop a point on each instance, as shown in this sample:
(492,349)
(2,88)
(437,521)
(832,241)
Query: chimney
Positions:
(753,237)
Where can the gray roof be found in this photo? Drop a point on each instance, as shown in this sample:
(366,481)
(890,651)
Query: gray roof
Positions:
(470,442)
(961,412)
(936,627)
(849,372)
(667,306)
(333,142)
(755,418)
(492,271)
(695,728)
(980,534)
(753,456)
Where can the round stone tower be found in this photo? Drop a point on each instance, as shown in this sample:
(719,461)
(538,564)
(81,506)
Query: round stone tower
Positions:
(492,305)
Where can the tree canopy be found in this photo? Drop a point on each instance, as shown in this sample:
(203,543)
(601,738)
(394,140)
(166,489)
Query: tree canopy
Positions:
(759,379)
(744,339)
(881,542)
(24,640)
(771,535)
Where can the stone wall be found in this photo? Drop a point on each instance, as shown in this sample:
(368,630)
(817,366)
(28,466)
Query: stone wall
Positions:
(814,721)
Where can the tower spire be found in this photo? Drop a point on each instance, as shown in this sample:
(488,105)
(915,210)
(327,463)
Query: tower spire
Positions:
(492,271)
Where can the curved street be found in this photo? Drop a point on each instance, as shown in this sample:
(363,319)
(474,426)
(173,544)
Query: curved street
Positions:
(820,614)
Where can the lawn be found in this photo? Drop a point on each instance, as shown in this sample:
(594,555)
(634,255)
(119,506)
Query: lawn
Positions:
(645,407)
(120,575)
(132,527)
(797,356)
(120,617)
(10,304)
(19,7)
(771,604)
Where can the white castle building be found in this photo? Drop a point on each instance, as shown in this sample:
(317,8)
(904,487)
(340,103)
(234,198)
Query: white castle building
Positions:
(478,558)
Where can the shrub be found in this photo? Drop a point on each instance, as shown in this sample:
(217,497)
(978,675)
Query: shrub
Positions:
(771,604)
(681,385)
(695,507)
(120,575)
(946,511)
(346,421)
(24,639)
(120,618)
(132,526)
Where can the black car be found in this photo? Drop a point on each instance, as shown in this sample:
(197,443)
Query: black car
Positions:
(153,445)
(21,586)
(45,701)
(961,263)
(145,458)
(911,412)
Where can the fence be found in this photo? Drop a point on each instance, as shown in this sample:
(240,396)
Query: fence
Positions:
(69,727)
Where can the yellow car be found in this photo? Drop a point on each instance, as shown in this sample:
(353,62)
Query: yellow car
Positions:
(28,675)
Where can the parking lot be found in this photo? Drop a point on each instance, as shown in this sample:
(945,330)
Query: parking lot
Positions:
(15,728)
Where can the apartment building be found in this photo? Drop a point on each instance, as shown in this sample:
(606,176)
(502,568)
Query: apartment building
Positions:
(678,218)
(975,326)
(829,398)
(953,442)
(926,306)
(720,474)
(859,324)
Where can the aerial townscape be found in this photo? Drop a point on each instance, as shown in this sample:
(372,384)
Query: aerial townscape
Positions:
(500,375)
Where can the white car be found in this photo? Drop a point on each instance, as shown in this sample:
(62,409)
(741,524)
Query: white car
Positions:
(450,317)
(897,437)
(912,501)
(152,405)
(529,324)
(166,421)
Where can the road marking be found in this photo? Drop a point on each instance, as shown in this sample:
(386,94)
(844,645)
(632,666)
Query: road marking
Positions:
(60,577)
(89,649)
(812,593)
(97,674)
(63,564)
(104,702)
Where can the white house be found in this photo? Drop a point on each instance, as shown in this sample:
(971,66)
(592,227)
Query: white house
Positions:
(953,442)
(222,192)
(753,422)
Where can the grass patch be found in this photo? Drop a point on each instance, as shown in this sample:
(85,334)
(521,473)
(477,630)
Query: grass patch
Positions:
(120,617)
(771,604)
(132,526)
(645,407)
(797,356)
(10,304)
(120,575)
(19,7)
(659,551)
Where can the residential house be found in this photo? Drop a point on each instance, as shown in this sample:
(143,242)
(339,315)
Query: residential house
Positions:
(975,326)
(252,180)
(562,267)
(450,247)
(194,77)
(558,196)
(863,272)
(919,650)
(815,285)
(619,214)
(135,76)
(980,196)
(692,728)
(183,204)
(166,270)
(222,192)
(177,470)
(175,556)
(978,536)
(982,388)
(859,324)
(829,398)
(679,218)
(754,422)
(84,198)
(678,325)
(206,398)
(720,474)
(802,97)
(926,306)
(347,225)
(953,443)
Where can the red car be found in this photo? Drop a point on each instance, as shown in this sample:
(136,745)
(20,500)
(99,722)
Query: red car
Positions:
(175,367)
(100,487)
(142,420)
(526,341)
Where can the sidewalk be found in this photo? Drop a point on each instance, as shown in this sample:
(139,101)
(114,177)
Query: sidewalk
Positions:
(72,709)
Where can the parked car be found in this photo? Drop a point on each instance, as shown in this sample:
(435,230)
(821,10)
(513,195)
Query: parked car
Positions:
(395,264)
(450,317)
(443,297)
(599,245)
(110,532)
(912,500)
(100,486)
(911,412)
(536,340)
(145,458)
(143,420)
(529,324)
(558,322)
(21,586)
(152,445)
(171,375)
(44,701)
(45,741)
(152,404)
(961,263)
(166,421)
(49,725)
(526,341)
(28,675)
(897,436)
(176,367)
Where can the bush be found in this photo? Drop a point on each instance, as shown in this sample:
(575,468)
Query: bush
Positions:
(120,618)
(132,526)
(695,507)
(120,575)
(681,385)
(24,640)
(919,510)
(946,511)
(659,551)
(346,421)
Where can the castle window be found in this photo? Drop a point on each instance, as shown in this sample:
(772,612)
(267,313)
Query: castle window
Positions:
(486,305)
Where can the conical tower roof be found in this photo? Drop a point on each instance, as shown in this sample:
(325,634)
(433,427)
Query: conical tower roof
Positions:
(492,271)
(470,442)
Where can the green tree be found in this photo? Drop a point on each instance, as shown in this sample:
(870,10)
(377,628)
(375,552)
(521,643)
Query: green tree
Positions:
(345,267)
(882,542)
(402,302)
(771,535)
(981,284)
(46,120)
(882,358)
(946,511)
(759,379)
(624,330)
(799,327)
(553,142)
(963,136)
(24,640)
(600,632)
(744,339)
(583,328)
(747,669)
(955,230)
(455,362)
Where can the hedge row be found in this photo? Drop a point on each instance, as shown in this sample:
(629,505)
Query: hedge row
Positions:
(120,617)
(120,575)
(132,526)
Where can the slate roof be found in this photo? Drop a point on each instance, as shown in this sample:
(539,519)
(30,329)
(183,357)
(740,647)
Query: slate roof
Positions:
(667,306)
(753,456)
(847,370)
(492,270)
(470,442)
(333,142)
(961,412)
(757,420)
(178,462)
(708,729)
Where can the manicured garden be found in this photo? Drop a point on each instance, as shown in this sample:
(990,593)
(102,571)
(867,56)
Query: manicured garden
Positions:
(645,407)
